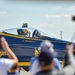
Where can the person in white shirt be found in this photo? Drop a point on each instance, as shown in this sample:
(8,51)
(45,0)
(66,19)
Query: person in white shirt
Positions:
(7,64)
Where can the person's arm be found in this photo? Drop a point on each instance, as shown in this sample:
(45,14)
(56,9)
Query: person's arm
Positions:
(35,67)
(57,64)
(69,69)
(9,52)
(31,61)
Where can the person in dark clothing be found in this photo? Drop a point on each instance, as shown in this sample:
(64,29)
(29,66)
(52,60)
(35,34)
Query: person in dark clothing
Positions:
(66,62)
(47,64)
(35,33)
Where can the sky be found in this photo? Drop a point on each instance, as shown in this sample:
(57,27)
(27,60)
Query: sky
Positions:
(50,17)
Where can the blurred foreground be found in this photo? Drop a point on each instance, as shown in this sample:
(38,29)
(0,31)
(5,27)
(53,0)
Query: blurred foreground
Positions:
(23,72)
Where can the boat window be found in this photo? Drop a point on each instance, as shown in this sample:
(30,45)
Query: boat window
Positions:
(10,31)
(20,32)
(23,32)
(27,32)
(36,33)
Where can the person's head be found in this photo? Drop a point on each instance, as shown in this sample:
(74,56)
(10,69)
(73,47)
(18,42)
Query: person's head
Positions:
(46,60)
(46,45)
(26,31)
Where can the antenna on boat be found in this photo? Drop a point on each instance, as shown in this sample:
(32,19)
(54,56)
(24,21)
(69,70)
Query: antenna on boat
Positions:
(73,37)
(25,25)
(61,35)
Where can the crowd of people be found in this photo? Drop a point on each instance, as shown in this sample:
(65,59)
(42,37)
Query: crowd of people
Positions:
(44,62)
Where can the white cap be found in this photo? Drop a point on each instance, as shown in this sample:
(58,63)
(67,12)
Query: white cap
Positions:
(47,45)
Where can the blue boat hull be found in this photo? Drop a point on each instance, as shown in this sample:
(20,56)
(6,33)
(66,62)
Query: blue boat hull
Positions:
(24,48)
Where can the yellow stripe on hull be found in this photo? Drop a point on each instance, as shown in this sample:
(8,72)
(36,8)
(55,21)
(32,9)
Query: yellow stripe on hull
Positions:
(17,36)
(26,38)
(24,63)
